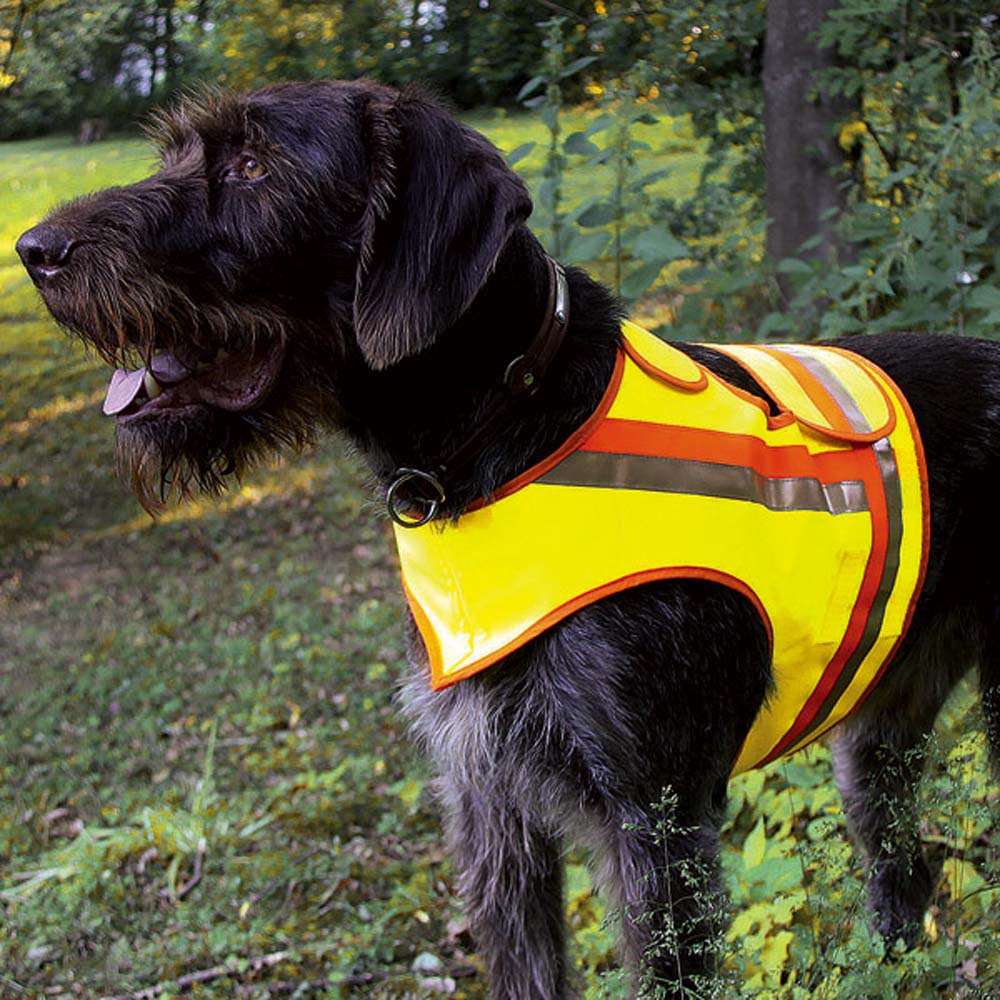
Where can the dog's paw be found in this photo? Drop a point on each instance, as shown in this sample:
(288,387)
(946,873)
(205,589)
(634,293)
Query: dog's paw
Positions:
(898,896)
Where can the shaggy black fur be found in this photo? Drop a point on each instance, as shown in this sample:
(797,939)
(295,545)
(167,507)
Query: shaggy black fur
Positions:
(363,259)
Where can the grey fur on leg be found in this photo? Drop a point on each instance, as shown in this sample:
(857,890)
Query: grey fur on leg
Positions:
(498,751)
(989,686)
(878,760)
(528,755)
(510,878)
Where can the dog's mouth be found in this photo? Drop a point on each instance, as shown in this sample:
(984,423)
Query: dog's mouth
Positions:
(234,381)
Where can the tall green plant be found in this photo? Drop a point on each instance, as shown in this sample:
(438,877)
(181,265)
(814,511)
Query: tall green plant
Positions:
(549,104)
(638,249)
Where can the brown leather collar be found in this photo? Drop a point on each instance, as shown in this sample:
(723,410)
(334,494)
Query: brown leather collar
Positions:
(418,489)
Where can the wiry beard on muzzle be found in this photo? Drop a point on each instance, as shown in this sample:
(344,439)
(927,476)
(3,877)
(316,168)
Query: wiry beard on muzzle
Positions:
(201,450)
(175,459)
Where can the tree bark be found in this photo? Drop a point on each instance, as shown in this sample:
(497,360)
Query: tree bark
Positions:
(807,172)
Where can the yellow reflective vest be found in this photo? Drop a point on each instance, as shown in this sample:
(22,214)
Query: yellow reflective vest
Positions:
(818,516)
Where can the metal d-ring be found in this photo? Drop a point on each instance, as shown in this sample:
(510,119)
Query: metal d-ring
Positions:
(397,505)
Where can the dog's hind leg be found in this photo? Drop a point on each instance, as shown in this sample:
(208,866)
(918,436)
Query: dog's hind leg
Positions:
(878,759)
(510,878)
(878,763)
(989,684)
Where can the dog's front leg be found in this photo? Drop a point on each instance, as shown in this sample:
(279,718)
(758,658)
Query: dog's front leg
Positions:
(510,878)
(662,870)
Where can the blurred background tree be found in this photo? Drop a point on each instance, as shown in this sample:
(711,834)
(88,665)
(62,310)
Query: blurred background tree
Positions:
(63,60)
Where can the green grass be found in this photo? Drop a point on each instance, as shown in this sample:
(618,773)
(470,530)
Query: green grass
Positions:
(212,694)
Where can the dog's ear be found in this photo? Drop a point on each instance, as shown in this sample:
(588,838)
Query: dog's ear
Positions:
(442,204)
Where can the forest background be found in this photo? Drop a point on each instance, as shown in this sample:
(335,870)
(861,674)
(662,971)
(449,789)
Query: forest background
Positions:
(203,783)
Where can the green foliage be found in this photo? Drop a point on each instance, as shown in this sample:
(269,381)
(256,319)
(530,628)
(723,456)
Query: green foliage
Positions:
(709,57)
(65,60)
(618,219)
(924,223)
(616,222)
(548,104)
(62,60)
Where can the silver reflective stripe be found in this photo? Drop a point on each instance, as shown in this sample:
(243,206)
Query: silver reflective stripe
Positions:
(832,384)
(654,473)
(889,471)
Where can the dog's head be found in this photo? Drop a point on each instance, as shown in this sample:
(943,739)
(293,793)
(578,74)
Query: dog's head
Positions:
(286,235)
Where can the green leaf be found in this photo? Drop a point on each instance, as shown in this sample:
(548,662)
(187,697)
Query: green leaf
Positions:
(600,123)
(516,155)
(882,284)
(600,213)
(821,828)
(773,323)
(792,265)
(585,247)
(776,874)
(578,144)
(659,244)
(640,280)
(602,157)
(919,226)
(645,118)
(576,65)
(547,194)
(984,297)
(530,87)
(754,845)
(550,116)
(651,178)
(573,216)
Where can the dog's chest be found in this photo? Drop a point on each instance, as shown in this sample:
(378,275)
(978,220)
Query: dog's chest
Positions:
(817,515)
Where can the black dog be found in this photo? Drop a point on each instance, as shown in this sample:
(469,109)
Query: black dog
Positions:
(342,256)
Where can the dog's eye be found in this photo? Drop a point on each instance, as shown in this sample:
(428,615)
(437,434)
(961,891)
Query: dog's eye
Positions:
(247,168)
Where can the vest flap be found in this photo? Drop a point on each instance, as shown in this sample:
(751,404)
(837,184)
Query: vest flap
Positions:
(828,390)
(658,358)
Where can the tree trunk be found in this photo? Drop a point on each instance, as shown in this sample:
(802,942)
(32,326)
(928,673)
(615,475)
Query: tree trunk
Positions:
(807,172)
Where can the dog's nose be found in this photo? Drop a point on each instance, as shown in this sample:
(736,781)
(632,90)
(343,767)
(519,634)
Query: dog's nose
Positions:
(44,251)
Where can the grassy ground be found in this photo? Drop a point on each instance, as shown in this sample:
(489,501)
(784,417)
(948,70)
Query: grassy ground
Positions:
(201,767)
